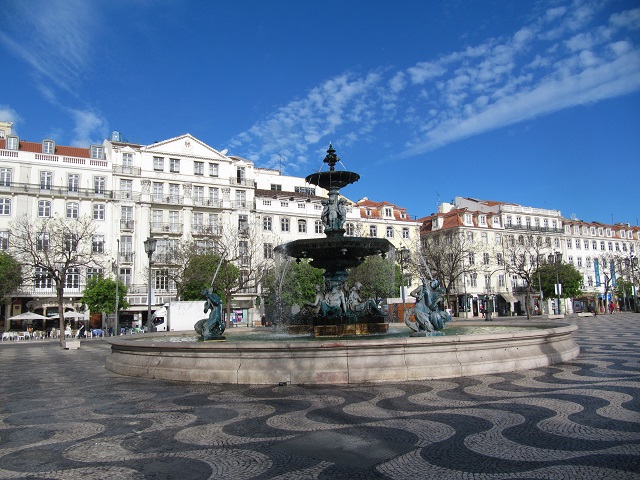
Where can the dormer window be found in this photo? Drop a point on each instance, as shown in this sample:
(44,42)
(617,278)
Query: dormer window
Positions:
(12,142)
(97,151)
(483,220)
(48,147)
(468,219)
(388,212)
(367,212)
(403,215)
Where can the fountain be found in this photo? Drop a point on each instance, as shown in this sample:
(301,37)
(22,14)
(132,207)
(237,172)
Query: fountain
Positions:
(331,314)
(319,359)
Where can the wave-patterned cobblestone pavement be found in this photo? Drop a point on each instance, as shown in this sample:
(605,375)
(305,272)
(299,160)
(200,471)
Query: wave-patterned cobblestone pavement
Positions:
(64,416)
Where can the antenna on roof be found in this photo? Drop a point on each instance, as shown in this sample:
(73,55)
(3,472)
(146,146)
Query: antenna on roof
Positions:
(439,202)
(282,159)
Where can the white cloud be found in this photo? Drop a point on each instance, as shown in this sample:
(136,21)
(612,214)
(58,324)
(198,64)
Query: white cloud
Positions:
(567,57)
(90,128)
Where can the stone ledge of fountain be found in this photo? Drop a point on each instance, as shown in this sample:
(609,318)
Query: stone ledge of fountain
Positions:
(345,361)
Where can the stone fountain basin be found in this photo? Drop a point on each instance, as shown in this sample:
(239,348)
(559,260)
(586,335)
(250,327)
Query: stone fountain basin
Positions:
(344,361)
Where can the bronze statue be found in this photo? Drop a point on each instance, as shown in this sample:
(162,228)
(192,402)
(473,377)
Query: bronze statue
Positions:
(213,327)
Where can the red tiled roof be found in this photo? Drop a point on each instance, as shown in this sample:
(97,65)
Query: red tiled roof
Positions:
(63,150)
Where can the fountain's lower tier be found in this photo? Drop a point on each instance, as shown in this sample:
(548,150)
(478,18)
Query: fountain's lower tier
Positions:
(341,361)
(335,253)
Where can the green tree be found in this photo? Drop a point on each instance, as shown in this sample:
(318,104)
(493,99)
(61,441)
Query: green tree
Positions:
(378,277)
(10,273)
(569,277)
(197,276)
(100,295)
(294,283)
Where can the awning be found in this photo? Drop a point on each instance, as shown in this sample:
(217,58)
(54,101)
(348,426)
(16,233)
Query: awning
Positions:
(508,297)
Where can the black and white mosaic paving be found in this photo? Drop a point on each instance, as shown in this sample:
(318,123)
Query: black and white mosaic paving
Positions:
(64,416)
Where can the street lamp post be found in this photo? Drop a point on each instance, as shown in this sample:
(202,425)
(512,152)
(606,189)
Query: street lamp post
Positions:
(149,248)
(558,261)
(404,257)
(117,273)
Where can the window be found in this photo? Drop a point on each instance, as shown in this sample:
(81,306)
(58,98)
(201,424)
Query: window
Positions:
(97,244)
(12,143)
(474,279)
(594,244)
(161,279)
(578,244)
(240,175)
(388,212)
(275,187)
(487,281)
(174,192)
(267,223)
(42,278)
(126,276)
(99,184)
(71,243)
(126,188)
(499,259)
(610,245)
(46,180)
(158,164)
(498,238)
(301,205)
(508,220)
(127,162)
(485,258)
(468,219)
(587,262)
(302,226)
(496,221)
(5,206)
(518,220)
(48,147)
(241,199)
(317,225)
(198,168)
(72,210)
(501,281)
(284,204)
(472,258)
(579,259)
(590,281)
(73,182)
(157,190)
(214,195)
(44,208)
(373,231)
(569,243)
(174,165)
(213,169)
(243,223)
(405,232)
(42,242)
(99,211)
(267,250)
(389,232)
(470,236)
(4,241)
(484,238)
(305,190)
(198,193)
(266,202)
(482,219)
(97,151)
(93,272)
(5,177)
(284,224)
(602,246)
(174,221)
(350,229)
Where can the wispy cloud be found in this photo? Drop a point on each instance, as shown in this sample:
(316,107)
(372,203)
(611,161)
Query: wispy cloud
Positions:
(54,37)
(572,55)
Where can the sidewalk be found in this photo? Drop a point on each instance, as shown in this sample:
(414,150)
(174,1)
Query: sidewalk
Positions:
(64,416)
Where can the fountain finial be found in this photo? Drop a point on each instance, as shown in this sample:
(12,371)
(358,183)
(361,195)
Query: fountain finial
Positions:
(331,158)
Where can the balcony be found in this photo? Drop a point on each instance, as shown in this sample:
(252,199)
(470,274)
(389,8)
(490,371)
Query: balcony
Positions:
(57,191)
(127,225)
(167,228)
(531,228)
(207,202)
(242,181)
(126,195)
(122,170)
(43,290)
(167,199)
(126,257)
(206,230)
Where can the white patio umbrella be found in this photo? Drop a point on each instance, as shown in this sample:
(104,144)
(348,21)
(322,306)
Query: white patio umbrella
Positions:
(69,315)
(28,316)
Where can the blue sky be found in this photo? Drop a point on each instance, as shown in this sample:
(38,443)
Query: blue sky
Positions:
(532,102)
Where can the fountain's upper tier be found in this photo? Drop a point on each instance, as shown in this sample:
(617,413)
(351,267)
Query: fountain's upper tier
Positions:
(333,179)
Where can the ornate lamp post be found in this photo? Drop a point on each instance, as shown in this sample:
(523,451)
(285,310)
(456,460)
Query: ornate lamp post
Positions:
(149,248)
(116,271)
(558,261)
